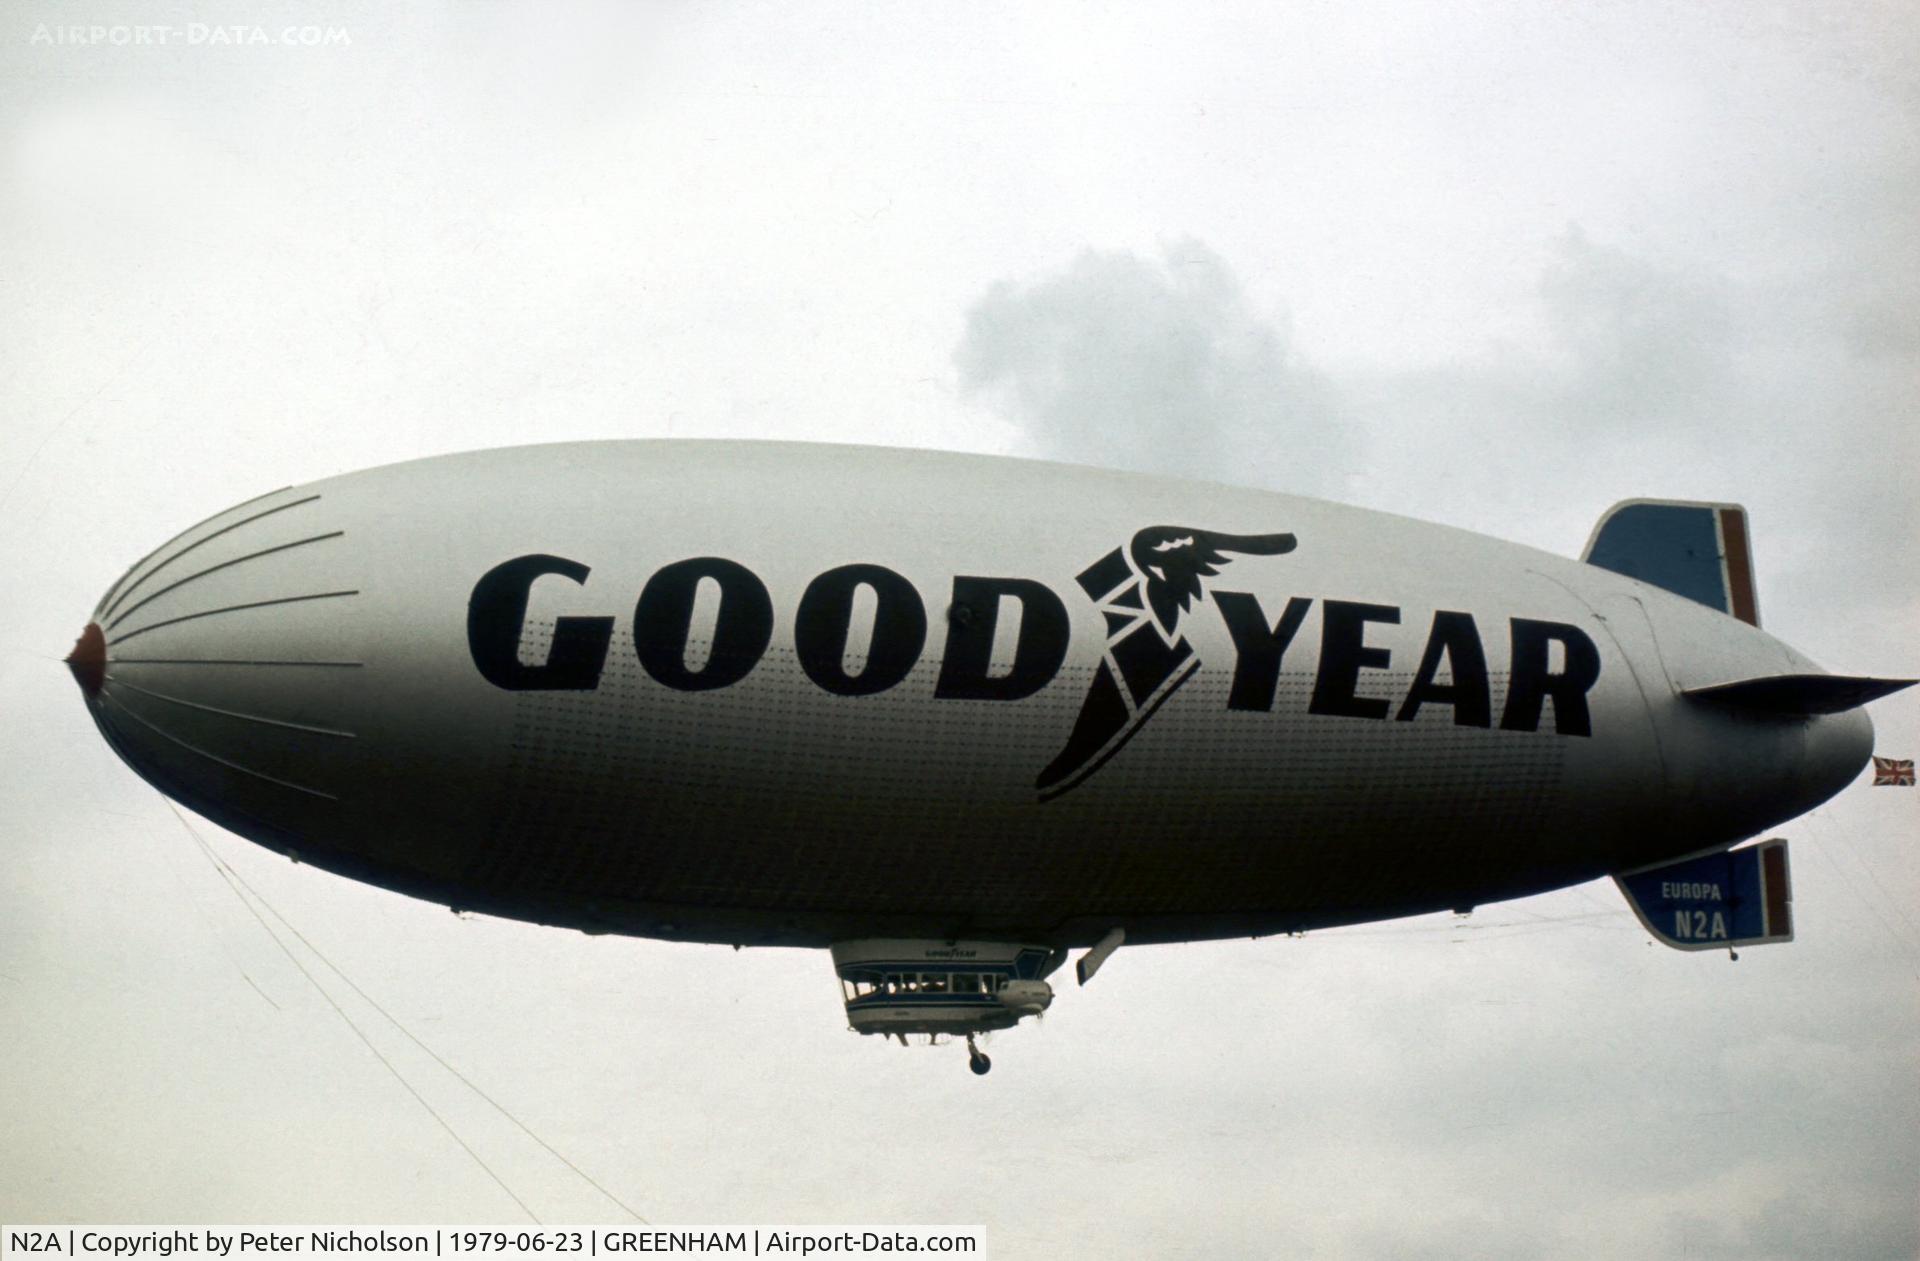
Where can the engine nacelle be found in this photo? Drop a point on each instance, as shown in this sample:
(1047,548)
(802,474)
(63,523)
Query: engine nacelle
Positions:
(1025,998)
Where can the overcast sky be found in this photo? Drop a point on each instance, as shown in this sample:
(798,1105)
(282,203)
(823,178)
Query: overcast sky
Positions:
(1495,265)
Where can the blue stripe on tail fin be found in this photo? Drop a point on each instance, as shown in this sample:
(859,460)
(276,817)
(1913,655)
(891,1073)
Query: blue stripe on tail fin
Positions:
(1697,550)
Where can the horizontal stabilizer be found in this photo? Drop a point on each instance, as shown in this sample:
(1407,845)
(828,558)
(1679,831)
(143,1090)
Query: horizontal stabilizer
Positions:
(1740,897)
(1697,550)
(1798,695)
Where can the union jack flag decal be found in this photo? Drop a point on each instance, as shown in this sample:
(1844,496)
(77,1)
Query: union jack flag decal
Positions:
(1889,772)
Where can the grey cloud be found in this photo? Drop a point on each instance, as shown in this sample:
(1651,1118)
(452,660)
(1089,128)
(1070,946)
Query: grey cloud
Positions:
(1796,1224)
(1880,328)
(1157,365)
(1661,379)
(1641,342)
(1161,365)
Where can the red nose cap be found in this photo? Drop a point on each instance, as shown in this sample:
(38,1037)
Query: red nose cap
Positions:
(88,660)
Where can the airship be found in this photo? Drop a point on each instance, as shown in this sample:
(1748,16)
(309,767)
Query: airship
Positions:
(955,717)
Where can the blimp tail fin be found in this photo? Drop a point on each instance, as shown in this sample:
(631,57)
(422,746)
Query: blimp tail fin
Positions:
(1697,550)
(1798,695)
(1738,897)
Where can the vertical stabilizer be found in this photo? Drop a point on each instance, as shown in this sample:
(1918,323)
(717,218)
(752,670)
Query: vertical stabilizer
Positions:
(1697,550)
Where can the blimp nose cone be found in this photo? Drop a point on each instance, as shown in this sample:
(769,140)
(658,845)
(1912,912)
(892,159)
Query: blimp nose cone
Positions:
(220,666)
(88,660)
(1838,746)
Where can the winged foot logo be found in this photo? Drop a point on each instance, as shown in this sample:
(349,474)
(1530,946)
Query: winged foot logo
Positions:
(1142,593)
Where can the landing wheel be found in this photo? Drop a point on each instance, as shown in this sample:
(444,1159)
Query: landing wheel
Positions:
(977,1059)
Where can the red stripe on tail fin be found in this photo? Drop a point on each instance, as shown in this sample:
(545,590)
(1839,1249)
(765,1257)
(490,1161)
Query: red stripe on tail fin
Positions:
(1744,602)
